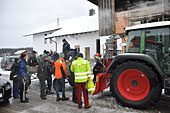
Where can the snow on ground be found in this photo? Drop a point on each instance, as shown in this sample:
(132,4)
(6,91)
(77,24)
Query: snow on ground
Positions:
(4,72)
(7,73)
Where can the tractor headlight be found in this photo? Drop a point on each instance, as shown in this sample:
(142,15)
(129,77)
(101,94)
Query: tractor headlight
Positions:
(8,86)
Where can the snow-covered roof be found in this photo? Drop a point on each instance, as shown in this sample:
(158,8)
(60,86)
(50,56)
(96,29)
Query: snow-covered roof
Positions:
(148,25)
(19,52)
(77,25)
(49,27)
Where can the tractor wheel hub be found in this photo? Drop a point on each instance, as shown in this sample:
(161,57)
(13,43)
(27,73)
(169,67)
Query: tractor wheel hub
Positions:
(134,83)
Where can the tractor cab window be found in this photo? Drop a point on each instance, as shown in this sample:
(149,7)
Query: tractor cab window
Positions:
(133,44)
(157,45)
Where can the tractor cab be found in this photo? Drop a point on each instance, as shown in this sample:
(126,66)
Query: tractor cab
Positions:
(152,39)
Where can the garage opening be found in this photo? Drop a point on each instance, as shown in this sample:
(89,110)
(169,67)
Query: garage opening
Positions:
(98,46)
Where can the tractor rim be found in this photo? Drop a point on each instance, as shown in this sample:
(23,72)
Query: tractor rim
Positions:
(133,85)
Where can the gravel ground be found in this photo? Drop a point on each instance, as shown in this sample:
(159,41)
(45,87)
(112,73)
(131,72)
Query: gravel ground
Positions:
(101,103)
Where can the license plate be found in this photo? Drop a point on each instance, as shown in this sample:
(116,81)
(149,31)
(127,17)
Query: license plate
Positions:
(0,95)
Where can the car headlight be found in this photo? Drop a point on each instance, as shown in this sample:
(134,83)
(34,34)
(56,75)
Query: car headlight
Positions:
(8,86)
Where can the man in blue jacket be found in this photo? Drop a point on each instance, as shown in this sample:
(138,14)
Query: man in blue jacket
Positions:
(23,78)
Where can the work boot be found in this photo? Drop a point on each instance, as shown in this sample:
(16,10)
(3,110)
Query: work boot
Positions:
(27,99)
(24,101)
(51,92)
(89,106)
(16,98)
(75,102)
(65,98)
(58,99)
(43,98)
(80,107)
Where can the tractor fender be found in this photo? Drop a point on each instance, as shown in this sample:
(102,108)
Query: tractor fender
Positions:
(134,56)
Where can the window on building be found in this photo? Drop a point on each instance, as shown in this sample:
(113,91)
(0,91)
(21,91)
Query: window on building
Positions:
(77,47)
(51,41)
(45,40)
(87,52)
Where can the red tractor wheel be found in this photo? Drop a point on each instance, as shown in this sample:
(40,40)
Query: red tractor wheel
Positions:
(135,85)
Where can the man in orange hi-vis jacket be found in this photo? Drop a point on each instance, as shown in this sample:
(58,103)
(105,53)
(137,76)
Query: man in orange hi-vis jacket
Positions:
(60,75)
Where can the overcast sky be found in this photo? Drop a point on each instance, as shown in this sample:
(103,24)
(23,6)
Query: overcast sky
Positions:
(18,17)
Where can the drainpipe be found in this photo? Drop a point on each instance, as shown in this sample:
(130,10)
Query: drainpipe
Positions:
(54,42)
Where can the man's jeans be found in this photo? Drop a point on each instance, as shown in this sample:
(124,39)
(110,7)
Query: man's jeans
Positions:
(58,83)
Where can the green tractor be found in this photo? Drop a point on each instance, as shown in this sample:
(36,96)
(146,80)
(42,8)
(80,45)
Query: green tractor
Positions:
(136,78)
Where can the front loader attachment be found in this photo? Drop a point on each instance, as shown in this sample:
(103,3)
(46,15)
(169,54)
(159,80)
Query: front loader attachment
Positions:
(102,82)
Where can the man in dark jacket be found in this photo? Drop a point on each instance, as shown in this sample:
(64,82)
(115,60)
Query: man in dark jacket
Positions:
(23,78)
(96,70)
(43,72)
(32,60)
(49,77)
(66,47)
(14,76)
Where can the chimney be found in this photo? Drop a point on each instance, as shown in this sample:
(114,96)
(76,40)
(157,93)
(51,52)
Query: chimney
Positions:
(91,12)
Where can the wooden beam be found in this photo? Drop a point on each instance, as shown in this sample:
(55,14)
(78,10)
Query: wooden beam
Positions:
(113,16)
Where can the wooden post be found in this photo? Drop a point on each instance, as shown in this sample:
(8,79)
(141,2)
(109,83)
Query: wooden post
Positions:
(113,16)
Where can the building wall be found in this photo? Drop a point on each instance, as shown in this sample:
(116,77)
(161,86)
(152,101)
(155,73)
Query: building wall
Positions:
(39,45)
(105,17)
(84,40)
(121,22)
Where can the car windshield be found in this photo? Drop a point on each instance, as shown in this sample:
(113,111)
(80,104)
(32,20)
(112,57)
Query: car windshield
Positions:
(12,59)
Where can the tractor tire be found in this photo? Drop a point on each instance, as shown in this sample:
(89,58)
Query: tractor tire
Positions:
(135,85)
(71,79)
(54,85)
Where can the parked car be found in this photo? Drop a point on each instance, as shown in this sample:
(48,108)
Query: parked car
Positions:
(5,90)
(7,62)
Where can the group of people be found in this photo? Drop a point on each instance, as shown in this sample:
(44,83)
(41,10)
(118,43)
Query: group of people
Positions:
(48,64)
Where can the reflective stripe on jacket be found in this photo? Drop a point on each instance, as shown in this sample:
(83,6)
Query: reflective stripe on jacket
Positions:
(58,73)
(81,69)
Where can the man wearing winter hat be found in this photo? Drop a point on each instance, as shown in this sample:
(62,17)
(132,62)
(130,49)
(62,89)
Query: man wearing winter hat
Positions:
(49,76)
(82,71)
(22,78)
(60,76)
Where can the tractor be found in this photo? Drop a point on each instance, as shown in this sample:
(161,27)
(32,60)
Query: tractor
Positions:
(138,77)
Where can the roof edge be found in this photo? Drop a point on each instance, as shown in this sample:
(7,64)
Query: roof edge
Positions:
(72,34)
(41,32)
(148,25)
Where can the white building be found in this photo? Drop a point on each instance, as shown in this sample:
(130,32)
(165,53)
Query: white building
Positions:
(82,33)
